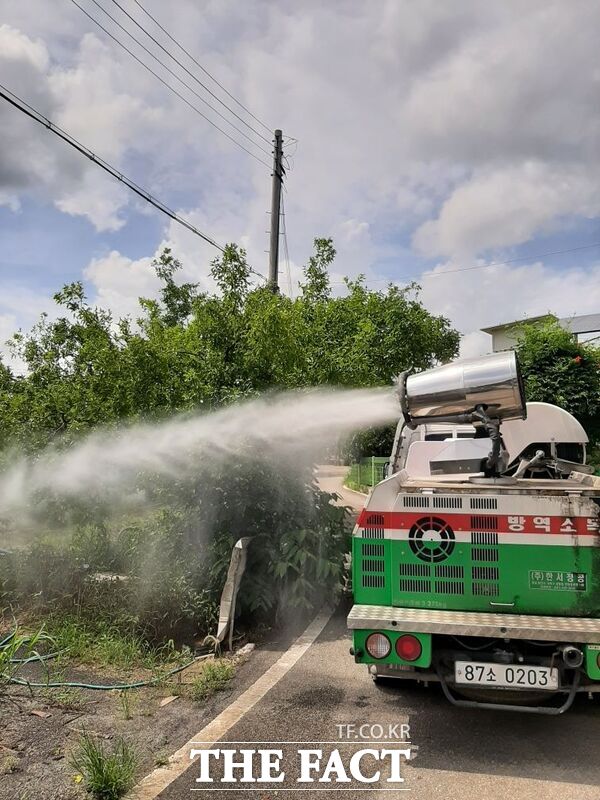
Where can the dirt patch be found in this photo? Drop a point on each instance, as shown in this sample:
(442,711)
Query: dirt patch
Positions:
(39,732)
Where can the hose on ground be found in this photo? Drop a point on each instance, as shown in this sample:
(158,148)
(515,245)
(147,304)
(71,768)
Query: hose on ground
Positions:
(103,687)
(81,685)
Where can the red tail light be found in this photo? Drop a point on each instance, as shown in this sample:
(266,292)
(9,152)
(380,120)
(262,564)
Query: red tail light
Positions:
(408,647)
(378,645)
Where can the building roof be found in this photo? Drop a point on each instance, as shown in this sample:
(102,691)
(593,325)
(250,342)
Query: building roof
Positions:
(496,328)
(586,323)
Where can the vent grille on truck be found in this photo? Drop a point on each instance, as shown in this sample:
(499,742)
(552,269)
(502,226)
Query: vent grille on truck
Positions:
(373,581)
(484,523)
(446,571)
(484,554)
(484,503)
(374,527)
(373,565)
(414,585)
(485,537)
(373,533)
(449,587)
(414,570)
(447,502)
(377,550)
(485,573)
(415,501)
(484,547)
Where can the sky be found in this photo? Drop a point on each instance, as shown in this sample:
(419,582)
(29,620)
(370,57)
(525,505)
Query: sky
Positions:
(425,137)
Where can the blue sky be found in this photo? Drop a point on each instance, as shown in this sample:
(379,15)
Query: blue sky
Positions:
(431,137)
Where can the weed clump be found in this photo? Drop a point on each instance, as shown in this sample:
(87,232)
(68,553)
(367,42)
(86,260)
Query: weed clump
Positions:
(9,764)
(107,774)
(214,678)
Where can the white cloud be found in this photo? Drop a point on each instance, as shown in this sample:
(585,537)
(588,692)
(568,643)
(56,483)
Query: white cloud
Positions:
(508,206)
(118,283)
(20,308)
(494,295)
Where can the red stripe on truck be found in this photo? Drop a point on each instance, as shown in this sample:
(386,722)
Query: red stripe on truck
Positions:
(480,521)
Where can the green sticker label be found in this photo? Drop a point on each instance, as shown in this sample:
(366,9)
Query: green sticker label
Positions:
(557,581)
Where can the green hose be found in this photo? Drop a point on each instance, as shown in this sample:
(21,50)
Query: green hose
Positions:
(76,684)
(101,687)
(37,657)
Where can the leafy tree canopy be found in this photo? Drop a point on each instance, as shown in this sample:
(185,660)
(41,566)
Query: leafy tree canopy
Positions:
(558,369)
(191,348)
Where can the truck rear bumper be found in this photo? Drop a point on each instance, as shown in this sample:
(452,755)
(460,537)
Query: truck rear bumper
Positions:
(582,630)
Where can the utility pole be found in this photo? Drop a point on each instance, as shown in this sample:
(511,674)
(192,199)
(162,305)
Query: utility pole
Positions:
(275,208)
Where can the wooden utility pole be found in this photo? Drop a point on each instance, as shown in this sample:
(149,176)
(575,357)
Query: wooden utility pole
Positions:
(275,210)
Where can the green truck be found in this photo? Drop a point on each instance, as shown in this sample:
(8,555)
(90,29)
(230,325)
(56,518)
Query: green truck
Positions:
(476,561)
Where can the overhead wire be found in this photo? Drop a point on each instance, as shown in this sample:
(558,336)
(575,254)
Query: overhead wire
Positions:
(168,85)
(191,74)
(431,274)
(31,112)
(169,70)
(198,64)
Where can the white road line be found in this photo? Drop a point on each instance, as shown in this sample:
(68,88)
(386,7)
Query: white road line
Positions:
(158,780)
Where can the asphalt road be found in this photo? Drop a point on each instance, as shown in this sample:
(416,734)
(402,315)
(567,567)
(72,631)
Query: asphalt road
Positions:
(330,479)
(461,754)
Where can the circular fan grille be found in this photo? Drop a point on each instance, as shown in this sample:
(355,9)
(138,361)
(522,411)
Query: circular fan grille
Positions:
(431,539)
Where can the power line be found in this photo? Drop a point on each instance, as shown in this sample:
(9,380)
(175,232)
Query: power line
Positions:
(31,112)
(191,74)
(171,88)
(485,266)
(169,70)
(198,64)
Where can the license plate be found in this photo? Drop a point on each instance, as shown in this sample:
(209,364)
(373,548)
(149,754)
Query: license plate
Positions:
(479,673)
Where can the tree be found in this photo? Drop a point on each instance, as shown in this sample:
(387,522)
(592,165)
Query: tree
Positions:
(558,369)
(192,348)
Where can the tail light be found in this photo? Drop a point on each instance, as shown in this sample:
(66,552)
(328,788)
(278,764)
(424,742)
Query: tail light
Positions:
(378,645)
(408,647)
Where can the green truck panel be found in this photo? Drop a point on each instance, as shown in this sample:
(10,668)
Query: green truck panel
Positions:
(524,579)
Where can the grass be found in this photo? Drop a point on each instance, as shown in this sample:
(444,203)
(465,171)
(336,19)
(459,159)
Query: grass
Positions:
(9,764)
(214,677)
(15,649)
(67,698)
(107,775)
(161,760)
(103,643)
(127,703)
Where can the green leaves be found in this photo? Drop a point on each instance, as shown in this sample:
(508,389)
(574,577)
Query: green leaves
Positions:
(191,348)
(558,369)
